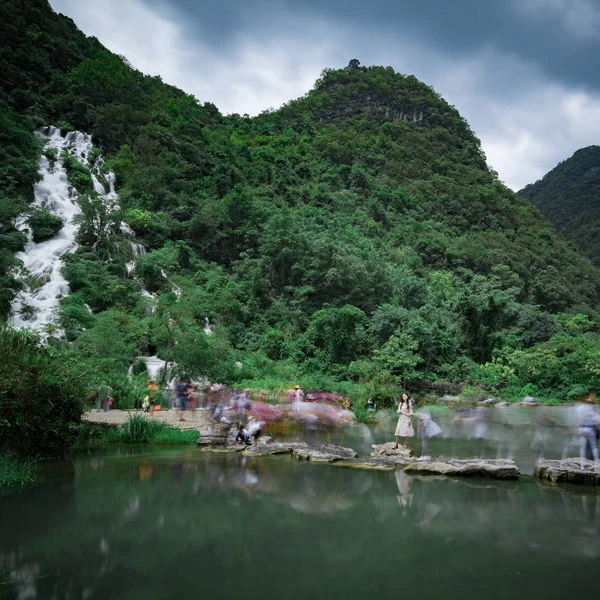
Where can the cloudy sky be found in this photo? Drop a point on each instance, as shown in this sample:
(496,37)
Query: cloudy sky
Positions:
(525,73)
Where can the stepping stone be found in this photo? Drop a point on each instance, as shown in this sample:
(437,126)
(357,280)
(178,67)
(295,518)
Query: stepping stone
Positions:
(273,448)
(229,449)
(387,449)
(375,463)
(496,468)
(567,471)
(324,453)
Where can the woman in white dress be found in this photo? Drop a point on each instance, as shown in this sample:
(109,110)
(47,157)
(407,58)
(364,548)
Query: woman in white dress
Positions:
(405,427)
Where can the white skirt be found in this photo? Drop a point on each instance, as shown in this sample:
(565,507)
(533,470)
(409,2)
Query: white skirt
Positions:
(405,427)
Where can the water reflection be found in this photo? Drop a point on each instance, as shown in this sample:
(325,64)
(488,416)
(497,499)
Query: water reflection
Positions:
(152,525)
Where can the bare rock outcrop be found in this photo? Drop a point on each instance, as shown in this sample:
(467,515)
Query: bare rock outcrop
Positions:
(480,467)
(324,453)
(387,449)
(568,471)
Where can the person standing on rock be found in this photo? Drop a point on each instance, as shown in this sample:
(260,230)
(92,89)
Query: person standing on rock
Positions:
(404,428)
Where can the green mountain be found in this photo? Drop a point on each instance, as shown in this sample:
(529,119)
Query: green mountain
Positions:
(355,236)
(569,197)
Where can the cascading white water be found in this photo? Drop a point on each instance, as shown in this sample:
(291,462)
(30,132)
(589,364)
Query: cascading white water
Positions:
(35,308)
(207,328)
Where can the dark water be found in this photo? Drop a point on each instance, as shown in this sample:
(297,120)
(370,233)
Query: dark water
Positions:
(185,524)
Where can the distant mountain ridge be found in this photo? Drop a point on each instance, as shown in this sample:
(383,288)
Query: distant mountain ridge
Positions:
(569,197)
(356,234)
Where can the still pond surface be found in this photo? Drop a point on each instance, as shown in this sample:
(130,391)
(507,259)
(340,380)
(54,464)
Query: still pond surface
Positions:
(151,523)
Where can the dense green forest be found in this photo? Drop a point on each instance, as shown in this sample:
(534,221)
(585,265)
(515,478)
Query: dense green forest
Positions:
(569,197)
(353,240)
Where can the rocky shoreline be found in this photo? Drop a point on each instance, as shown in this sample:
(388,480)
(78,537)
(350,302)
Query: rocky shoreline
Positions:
(219,438)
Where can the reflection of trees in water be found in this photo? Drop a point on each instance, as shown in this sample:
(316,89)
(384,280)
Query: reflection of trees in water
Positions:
(103,527)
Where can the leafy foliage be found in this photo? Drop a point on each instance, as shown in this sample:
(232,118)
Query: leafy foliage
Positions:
(569,197)
(354,237)
(44,225)
(16,472)
(40,396)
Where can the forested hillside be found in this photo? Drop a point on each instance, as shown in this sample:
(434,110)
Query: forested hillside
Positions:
(569,197)
(355,236)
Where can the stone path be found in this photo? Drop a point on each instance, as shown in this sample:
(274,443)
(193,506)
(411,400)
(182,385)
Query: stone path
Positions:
(193,420)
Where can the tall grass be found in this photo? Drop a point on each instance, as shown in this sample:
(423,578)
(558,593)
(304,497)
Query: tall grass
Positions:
(137,429)
(15,472)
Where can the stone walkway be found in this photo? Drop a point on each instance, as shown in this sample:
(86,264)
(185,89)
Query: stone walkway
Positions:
(193,420)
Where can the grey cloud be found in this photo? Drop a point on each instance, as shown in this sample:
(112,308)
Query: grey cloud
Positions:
(527,119)
(551,34)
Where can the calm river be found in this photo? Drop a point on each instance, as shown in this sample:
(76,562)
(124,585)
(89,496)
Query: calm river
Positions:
(161,523)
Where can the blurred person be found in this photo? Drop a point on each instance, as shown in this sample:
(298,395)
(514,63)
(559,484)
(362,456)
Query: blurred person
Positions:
(291,395)
(371,405)
(479,420)
(255,429)
(245,404)
(192,399)
(152,388)
(588,424)
(242,436)
(104,393)
(299,394)
(426,429)
(543,426)
(404,428)
(182,391)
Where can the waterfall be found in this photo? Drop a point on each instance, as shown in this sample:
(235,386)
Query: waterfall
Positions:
(35,308)
(207,328)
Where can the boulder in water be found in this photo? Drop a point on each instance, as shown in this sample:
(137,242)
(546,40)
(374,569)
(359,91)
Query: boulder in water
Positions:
(324,453)
(486,402)
(568,471)
(449,399)
(375,463)
(274,448)
(223,449)
(481,467)
(387,449)
(530,400)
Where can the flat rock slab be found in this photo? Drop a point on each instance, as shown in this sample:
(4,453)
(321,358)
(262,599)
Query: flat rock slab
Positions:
(324,453)
(568,471)
(375,463)
(498,468)
(229,449)
(273,448)
(387,449)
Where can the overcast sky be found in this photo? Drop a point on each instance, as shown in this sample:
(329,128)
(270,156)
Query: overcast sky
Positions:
(524,73)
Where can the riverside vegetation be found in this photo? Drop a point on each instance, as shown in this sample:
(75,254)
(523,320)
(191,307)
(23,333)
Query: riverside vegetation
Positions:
(352,240)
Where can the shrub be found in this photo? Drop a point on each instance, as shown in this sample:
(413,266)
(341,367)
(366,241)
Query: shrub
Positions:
(16,472)
(44,225)
(138,430)
(40,396)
